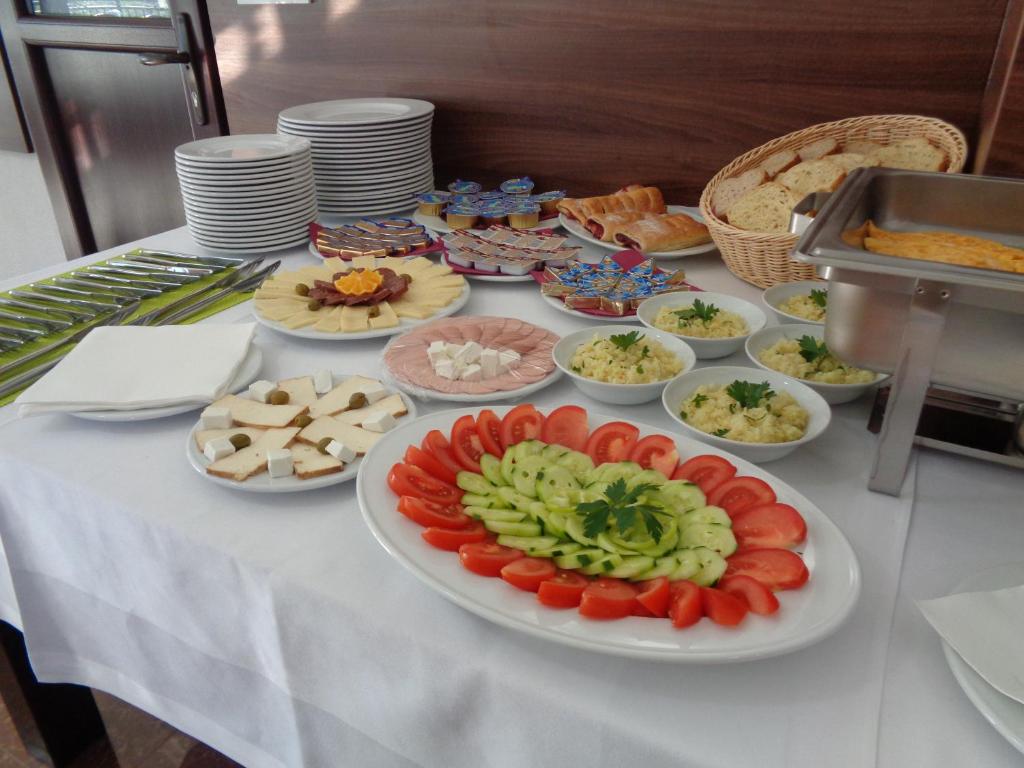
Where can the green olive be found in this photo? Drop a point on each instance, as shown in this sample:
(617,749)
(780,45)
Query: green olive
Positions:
(313,305)
(240,441)
(302,289)
(374,311)
(322,445)
(358,400)
(279,397)
(303,420)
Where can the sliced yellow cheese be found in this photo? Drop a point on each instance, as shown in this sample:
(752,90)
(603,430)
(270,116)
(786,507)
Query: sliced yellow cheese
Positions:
(354,319)
(365,262)
(279,312)
(251,413)
(300,390)
(445,281)
(437,269)
(307,462)
(252,460)
(301,319)
(394,404)
(359,440)
(387,317)
(337,399)
(266,291)
(412,309)
(331,320)
(203,436)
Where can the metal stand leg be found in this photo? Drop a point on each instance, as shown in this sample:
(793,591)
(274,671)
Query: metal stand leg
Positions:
(920,342)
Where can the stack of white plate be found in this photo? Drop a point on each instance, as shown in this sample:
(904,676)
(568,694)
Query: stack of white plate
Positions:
(370,156)
(247,193)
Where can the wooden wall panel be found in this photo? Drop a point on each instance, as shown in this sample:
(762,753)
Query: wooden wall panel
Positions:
(1002,133)
(593,95)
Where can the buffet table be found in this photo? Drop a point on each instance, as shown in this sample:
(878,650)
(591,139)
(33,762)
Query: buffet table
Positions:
(277,630)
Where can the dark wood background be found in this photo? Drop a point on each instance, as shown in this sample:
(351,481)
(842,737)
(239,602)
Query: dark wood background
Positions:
(593,95)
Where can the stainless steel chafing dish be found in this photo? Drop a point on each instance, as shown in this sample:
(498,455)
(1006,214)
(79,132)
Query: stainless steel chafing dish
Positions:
(925,322)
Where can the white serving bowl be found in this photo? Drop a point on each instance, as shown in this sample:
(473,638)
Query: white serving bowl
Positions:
(777,294)
(705,349)
(683,386)
(833,393)
(618,394)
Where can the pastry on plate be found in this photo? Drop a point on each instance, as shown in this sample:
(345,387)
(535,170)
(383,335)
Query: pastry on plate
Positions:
(631,198)
(605,226)
(663,233)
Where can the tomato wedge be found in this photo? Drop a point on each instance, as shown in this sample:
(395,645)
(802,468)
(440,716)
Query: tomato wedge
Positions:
(449,540)
(528,573)
(684,605)
(656,452)
(721,607)
(562,591)
(487,558)
(608,599)
(436,444)
(775,568)
(741,493)
(523,422)
(757,596)
(612,442)
(432,515)
(407,480)
(769,526)
(566,426)
(426,461)
(488,427)
(707,471)
(654,596)
(465,443)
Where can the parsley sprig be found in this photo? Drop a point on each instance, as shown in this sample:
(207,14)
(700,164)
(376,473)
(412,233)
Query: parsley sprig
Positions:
(699,311)
(623,505)
(820,298)
(748,394)
(626,340)
(812,350)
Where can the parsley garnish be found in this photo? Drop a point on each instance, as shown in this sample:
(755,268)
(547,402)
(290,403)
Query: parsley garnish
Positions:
(819,297)
(747,394)
(622,504)
(699,310)
(626,340)
(639,369)
(812,350)
(576,369)
(645,353)
(720,432)
(699,400)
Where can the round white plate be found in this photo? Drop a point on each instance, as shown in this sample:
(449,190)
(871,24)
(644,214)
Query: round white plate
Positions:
(370,166)
(487,278)
(235,250)
(806,616)
(381,154)
(263,482)
(560,306)
(249,239)
(357,112)
(230,224)
(247,373)
(343,182)
(222,170)
(437,224)
(349,141)
(242,148)
(376,333)
(205,173)
(250,209)
(354,130)
(579,231)
(379,189)
(286,191)
(1006,715)
(301,173)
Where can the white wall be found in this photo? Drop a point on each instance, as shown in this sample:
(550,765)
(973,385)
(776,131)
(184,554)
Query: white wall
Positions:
(28,232)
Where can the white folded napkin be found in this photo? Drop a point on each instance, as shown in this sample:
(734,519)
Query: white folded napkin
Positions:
(987,630)
(130,367)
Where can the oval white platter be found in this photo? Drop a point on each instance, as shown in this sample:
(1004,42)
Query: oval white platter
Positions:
(247,373)
(579,231)
(437,224)
(560,306)
(487,278)
(806,616)
(403,325)
(263,482)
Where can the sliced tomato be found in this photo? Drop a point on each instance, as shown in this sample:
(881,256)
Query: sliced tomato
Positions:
(488,427)
(432,515)
(707,471)
(684,605)
(408,480)
(775,568)
(487,558)
(721,607)
(566,426)
(436,444)
(563,590)
(524,422)
(769,526)
(656,452)
(528,573)
(654,595)
(612,442)
(757,596)
(608,599)
(449,540)
(741,493)
(429,464)
(465,443)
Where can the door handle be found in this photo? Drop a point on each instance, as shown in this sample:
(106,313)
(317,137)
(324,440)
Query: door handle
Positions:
(183,57)
(156,59)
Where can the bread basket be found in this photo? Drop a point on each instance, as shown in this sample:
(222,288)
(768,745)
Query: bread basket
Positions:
(764,259)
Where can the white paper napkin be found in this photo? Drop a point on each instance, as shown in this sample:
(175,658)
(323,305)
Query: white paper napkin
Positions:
(131,367)
(987,630)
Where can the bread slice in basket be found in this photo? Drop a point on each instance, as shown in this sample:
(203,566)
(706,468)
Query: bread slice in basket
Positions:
(764,209)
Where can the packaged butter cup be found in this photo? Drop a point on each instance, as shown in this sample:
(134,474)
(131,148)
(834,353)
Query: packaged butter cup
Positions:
(461,216)
(549,200)
(524,216)
(460,199)
(432,203)
(520,186)
(491,194)
(461,187)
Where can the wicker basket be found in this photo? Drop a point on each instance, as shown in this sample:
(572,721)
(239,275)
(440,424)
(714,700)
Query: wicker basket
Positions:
(763,259)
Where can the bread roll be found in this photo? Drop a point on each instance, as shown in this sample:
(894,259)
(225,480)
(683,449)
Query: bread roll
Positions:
(813,176)
(764,209)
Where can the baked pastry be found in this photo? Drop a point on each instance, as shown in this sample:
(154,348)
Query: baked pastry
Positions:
(813,176)
(605,226)
(663,233)
(731,190)
(631,198)
(915,154)
(947,247)
(764,209)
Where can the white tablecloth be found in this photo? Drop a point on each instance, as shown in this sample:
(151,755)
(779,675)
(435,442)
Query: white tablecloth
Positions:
(278,631)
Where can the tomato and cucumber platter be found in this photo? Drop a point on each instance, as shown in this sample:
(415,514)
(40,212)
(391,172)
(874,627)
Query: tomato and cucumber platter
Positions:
(605,535)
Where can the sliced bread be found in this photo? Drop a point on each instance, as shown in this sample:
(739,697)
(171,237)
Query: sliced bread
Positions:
(731,190)
(780,161)
(764,209)
(915,154)
(818,149)
(812,176)
(861,146)
(851,160)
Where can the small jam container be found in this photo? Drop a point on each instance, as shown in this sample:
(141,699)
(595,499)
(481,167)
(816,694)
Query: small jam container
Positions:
(460,187)
(523,186)
(549,200)
(432,203)
(524,216)
(461,216)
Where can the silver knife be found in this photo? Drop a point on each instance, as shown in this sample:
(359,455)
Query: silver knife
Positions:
(163,268)
(28,334)
(228,279)
(248,284)
(59,295)
(132,277)
(231,261)
(95,285)
(182,262)
(49,323)
(49,309)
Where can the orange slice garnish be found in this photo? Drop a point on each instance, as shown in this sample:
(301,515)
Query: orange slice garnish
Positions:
(358,282)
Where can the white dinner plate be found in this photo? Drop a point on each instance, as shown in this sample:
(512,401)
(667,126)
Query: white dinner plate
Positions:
(371,111)
(806,615)
(300,173)
(1004,714)
(381,153)
(247,373)
(251,222)
(437,224)
(285,191)
(422,180)
(560,306)
(242,148)
(358,130)
(249,209)
(240,251)
(371,165)
(259,166)
(497,278)
(204,173)
(404,324)
(345,181)
(263,482)
(371,141)
(250,238)
(580,231)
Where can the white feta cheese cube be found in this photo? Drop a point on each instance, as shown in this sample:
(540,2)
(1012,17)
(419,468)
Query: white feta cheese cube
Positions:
(374,392)
(380,421)
(323,382)
(279,462)
(471,372)
(507,360)
(489,363)
(341,452)
(216,417)
(469,353)
(218,449)
(436,352)
(452,349)
(260,390)
(445,369)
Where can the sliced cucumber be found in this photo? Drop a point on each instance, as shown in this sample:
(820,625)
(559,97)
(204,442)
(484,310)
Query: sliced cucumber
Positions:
(631,566)
(503,515)
(594,491)
(663,566)
(574,529)
(493,501)
(513,498)
(525,474)
(688,565)
(513,529)
(608,563)
(491,467)
(564,548)
(508,465)
(471,482)
(557,486)
(553,452)
(669,540)
(680,495)
(716,537)
(553,520)
(532,545)
(579,558)
(707,515)
(652,476)
(528,448)
(613,543)
(610,472)
(578,463)
(712,566)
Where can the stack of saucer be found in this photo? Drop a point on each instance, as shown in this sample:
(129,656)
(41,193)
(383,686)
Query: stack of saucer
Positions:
(370,156)
(247,193)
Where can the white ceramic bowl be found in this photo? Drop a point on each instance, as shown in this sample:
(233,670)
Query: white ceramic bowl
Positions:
(683,386)
(705,349)
(833,393)
(777,294)
(618,394)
